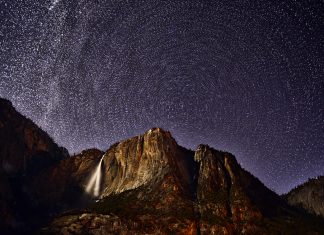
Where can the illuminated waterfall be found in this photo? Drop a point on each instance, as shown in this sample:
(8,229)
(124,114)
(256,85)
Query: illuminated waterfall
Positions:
(93,186)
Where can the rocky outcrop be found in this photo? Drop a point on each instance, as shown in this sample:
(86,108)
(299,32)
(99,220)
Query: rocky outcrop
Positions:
(309,196)
(153,186)
(146,159)
(25,148)
(230,199)
(62,185)
(25,151)
(148,185)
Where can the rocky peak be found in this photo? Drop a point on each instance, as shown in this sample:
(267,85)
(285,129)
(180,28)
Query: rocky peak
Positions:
(158,130)
(143,159)
(152,185)
(309,196)
(200,152)
(208,158)
(149,185)
(25,152)
(25,147)
(226,190)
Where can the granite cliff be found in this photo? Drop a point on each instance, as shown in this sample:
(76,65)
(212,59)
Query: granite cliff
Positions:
(309,196)
(25,152)
(149,185)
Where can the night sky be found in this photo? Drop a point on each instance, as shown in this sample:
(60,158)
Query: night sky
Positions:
(242,76)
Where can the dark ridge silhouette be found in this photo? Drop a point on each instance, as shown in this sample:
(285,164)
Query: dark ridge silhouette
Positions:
(149,185)
(308,196)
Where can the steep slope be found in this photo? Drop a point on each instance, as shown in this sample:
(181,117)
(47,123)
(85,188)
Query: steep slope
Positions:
(25,151)
(309,196)
(25,148)
(149,185)
(230,199)
(62,185)
(153,186)
(146,159)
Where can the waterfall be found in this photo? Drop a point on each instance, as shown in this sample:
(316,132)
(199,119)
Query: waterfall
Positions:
(93,186)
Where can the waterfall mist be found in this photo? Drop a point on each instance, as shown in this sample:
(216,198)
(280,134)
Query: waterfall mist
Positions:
(93,186)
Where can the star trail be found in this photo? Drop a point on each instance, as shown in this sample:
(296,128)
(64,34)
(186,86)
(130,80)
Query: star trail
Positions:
(241,76)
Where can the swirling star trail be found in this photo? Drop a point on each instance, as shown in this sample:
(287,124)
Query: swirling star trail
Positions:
(241,76)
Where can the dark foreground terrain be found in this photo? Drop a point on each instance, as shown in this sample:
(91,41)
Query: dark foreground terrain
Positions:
(149,185)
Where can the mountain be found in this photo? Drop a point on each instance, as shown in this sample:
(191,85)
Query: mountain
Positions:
(25,151)
(25,148)
(309,196)
(147,184)
(151,185)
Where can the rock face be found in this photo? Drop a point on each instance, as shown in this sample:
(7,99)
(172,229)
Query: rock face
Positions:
(230,200)
(149,185)
(62,185)
(25,151)
(25,148)
(309,196)
(145,159)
